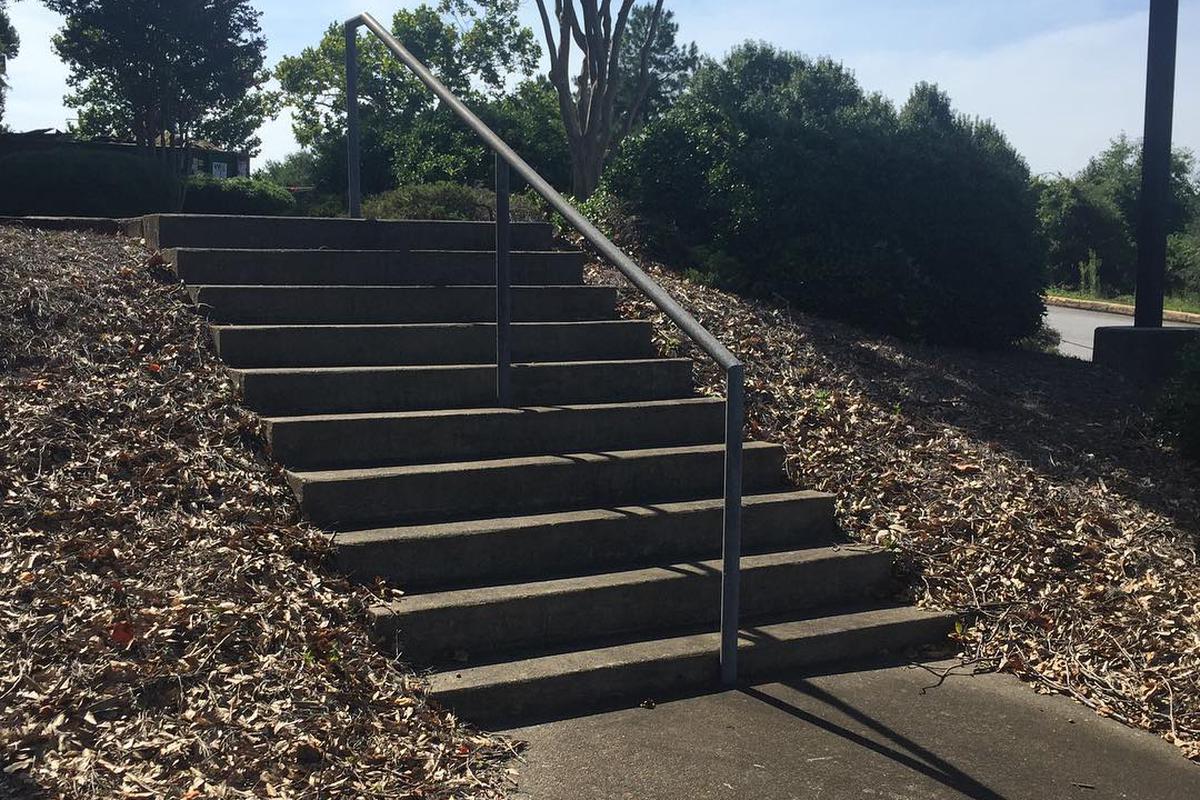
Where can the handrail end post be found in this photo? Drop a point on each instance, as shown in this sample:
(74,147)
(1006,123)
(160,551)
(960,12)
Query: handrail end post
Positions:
(731,544)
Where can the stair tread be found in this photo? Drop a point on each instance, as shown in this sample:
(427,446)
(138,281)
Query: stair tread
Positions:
(486,527)
(444,367)
(481,465)
(333,251)
(450,413)
(658,649)
(388,326)
(581,584)
(387,287)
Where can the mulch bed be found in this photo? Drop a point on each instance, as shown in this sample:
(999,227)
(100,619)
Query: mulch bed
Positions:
(169,629)
(1022,489)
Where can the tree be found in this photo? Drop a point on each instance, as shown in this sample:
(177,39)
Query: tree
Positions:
(9,44)
(166,72)
(1117,174)
(669,68)
(407,136)
(1087,240)
(295,169)
(1089,222)
(588,104)
(778,175)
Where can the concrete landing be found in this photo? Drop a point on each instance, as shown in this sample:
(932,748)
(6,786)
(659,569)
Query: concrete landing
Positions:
(884,733)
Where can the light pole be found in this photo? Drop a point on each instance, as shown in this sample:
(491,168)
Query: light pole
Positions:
(1156,164)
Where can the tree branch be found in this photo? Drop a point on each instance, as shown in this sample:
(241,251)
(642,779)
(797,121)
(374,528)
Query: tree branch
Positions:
(644,72)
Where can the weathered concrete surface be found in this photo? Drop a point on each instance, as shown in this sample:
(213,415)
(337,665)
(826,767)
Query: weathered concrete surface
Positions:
(882,733)
(1146,356)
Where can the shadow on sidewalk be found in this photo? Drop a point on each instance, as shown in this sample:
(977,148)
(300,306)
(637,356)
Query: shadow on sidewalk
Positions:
(905,751)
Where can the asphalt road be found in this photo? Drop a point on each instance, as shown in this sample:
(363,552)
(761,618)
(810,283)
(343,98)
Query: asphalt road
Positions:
(1077,328)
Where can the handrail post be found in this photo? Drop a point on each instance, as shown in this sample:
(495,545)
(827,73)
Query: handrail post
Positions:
(731,544)
(353,149)
(503,291)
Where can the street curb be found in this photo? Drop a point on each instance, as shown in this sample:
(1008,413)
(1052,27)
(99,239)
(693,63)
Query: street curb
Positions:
(1115,308)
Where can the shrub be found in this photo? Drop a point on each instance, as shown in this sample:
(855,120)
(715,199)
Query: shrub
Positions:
(81,182)
(317,204)
(250,196)
(1179,405)
(776,174)
(445,200)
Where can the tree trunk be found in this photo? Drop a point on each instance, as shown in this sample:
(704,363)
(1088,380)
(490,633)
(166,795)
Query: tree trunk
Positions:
(588,113)
(587,164)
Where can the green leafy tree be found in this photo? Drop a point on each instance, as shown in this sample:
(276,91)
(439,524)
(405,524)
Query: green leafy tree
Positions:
(406,136)
(1117,174)
(295,169)
(1089,222)
(9,44)
(777,174)
(166,73)
(1087,239)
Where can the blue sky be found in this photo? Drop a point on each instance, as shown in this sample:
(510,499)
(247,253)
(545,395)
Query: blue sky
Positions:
(1059,77)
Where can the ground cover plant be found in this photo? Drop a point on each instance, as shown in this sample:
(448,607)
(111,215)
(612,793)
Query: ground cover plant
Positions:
(1019,488)
(169,629)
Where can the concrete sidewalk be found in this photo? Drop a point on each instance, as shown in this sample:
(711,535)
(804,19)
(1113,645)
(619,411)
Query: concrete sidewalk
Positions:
(883,733)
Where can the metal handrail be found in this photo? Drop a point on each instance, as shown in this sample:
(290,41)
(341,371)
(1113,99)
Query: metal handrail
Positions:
(507,158)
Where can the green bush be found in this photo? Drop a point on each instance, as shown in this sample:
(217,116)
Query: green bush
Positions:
(249,196)
(445,200)
(317,204)
(1179,406)
(776,174)
(80,182)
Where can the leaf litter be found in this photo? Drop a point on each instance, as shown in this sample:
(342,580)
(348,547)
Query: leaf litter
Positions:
(170,626)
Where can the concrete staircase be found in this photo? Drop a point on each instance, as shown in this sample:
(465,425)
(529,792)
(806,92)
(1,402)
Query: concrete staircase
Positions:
(559,556)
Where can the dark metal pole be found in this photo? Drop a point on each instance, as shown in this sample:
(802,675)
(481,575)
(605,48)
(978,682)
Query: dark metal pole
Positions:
(503,293)
(1156,163)
(731,547)
(353,150)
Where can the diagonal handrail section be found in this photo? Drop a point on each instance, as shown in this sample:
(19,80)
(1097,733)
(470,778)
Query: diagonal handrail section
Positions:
(506,159)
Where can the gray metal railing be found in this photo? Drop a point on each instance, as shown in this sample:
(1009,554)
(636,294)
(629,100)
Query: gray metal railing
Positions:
(507,159)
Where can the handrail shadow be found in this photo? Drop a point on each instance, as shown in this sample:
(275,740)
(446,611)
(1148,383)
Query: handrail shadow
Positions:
(905,752)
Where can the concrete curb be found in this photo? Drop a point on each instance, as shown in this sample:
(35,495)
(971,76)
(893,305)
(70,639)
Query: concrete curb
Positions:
(1115,308)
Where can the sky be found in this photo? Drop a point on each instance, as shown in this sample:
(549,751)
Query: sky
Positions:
(1060,77)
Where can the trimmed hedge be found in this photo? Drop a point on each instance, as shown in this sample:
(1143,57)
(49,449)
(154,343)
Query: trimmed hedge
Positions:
(77,182)
(445,200)
(778,175)
(250,196)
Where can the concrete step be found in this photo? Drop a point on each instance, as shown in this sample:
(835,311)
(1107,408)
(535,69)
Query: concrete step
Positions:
(425,437)
(309,233)
(349,499)
(365,305)
(543,687)
(433,343)
(493,551)
(372,267)
(328,390)
(443,627)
